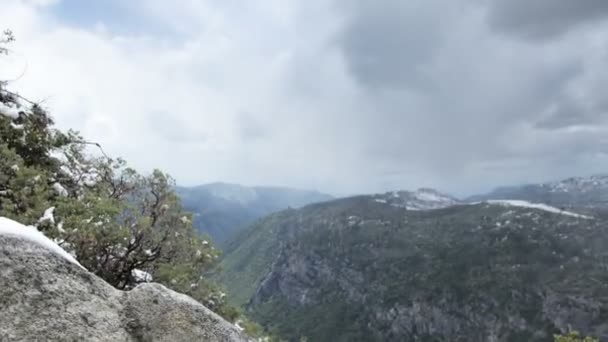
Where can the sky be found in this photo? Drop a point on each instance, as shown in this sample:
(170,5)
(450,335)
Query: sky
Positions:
(340,96)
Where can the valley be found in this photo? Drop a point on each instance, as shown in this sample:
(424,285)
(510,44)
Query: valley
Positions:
(423,266)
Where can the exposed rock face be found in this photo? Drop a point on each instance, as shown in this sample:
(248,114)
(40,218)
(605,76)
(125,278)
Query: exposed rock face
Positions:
(44,297)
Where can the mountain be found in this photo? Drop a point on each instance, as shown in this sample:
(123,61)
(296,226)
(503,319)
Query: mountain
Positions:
(222,209)
(577,192)
(368,269)
(421,199)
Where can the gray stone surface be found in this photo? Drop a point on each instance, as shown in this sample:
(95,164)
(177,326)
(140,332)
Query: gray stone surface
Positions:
(46,298)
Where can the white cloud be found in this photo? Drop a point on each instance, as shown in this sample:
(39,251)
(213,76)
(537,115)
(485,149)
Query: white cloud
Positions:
(271,92)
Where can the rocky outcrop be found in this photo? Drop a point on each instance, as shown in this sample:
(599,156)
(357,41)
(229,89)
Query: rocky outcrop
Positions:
(44,297)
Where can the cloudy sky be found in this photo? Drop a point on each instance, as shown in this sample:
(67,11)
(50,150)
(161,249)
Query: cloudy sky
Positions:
(340,96)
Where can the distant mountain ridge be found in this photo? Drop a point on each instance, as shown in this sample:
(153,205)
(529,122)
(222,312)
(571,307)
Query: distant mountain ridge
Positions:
(518,264)
(222,209)
(577,193)
(355,269)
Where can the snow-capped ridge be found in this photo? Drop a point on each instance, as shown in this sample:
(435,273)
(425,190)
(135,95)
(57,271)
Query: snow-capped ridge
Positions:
(421,199)
(578,184)
(539,206)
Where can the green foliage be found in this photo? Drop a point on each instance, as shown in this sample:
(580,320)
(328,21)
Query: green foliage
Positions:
(574,337)
(117,223)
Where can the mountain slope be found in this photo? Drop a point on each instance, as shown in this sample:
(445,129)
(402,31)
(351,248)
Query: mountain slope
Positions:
(222,209)
(576,192)
(361,270)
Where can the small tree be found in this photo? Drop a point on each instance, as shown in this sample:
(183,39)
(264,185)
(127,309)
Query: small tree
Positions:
(574,337)
(119,224)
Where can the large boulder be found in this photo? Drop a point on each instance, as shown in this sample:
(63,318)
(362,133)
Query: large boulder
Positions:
(46,297)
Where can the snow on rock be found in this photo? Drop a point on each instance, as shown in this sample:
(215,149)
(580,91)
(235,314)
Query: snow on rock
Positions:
(539,206)
(141,276)
(42,299)
(237,324)
(11,228)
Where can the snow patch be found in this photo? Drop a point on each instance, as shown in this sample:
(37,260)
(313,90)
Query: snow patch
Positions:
(539,206)
(9,111)
(48,216)
(141,276)
(61,191)
(427,195)
(16,126)
(11,228)
(60,227)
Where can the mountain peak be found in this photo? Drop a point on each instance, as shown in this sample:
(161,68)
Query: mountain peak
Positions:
(421,199)
(578,184)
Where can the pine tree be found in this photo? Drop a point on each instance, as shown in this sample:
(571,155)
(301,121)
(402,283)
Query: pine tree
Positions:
(124,227)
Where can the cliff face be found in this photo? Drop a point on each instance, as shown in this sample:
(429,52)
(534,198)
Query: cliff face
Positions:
(358,270)
(44,297)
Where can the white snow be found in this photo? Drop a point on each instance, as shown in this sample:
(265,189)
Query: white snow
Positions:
(11,228)
(428,196)
(48,215)
(380,200)
(58,154)
(15,126)
(238,326)
(540,206)
(141,276)
(61,191)
(9,111)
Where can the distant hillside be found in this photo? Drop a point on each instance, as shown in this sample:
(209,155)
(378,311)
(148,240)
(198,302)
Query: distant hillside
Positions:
(576,192)
(365,269)
(222,209)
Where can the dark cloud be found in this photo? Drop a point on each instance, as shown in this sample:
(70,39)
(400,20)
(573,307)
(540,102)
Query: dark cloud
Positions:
(443,95)
(392,43)
(544,19)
